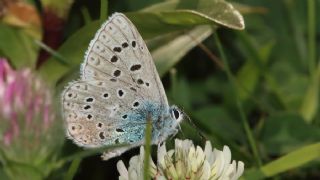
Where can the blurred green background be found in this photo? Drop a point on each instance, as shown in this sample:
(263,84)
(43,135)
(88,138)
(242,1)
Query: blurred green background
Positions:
(257,93)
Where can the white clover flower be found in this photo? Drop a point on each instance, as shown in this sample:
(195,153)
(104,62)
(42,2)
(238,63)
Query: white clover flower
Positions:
(135,170)
(185,162)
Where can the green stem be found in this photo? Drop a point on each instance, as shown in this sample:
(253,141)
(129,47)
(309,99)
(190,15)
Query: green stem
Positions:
(73,169)
(29,168)
(249,133)
(103,9)
(173,78)
(147,147)
(312,35)
(294,25)
(239,104)
(53,53)
(86,15)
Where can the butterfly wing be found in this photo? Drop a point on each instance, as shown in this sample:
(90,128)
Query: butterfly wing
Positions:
(119,52)
(97,114)
(118,75)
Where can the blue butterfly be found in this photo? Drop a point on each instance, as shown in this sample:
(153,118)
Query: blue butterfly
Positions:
(119,90)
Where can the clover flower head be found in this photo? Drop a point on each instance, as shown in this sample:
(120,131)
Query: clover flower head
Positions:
(186,161)
(28,122)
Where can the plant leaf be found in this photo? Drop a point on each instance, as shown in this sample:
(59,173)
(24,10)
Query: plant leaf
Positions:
(287,131)
(168,54)
(150,25)
(19,47)
(72,50)
(191,12)
(250,73)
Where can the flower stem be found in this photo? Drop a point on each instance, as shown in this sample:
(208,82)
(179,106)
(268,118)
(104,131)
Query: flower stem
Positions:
(311,35)
(146,174)
(73,169)
(103,9)
(243,118)
(86,15)
(53,53)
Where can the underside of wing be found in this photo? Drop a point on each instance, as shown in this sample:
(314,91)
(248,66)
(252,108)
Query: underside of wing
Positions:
(97,115)
(118,52)
(118,89)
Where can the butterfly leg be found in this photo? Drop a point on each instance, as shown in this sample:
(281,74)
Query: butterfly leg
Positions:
(159,145)
(158,150)
(174,133)
(114,153)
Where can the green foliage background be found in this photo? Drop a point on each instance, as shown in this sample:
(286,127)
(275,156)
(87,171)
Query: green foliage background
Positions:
(258,92)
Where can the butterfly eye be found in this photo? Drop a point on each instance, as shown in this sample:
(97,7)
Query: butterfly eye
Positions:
(175,113)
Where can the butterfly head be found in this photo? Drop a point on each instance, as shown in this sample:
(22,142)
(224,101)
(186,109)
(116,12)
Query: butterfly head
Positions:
(176,114)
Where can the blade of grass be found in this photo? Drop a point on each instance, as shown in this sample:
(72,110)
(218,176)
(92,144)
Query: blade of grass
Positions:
(173,78)
(292,160)
(296,28)
(53,53)
(3,158)
(21,165)
(239,104)
(86,16)
(147,147)
(285,163)
(103,9)
(206,50)
(73,169)
(310,104)
(311,35)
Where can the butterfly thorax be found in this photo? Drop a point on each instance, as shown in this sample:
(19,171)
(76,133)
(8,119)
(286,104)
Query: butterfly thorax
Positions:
(163,122)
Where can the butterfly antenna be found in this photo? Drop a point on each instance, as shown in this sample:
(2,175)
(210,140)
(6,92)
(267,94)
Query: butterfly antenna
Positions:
(202,136)
(180,129)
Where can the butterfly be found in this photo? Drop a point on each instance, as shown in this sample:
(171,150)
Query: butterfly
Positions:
(118,91)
